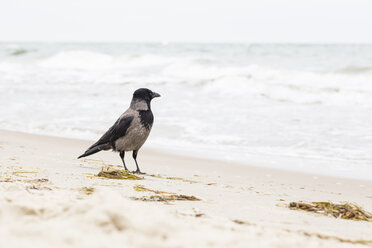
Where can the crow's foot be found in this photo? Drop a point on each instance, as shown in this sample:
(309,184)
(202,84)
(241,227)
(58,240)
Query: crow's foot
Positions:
(138,172)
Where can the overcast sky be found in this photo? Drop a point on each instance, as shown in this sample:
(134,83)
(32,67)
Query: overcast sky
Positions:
(319,21)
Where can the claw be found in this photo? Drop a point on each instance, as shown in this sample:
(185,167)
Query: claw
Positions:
(138,172)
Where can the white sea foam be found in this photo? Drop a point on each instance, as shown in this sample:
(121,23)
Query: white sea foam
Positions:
(77,60)
(298,107)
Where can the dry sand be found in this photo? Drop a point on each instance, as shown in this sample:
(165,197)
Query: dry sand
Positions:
(48,198)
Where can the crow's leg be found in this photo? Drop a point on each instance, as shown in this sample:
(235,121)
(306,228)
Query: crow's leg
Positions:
(122,153)
(135,160)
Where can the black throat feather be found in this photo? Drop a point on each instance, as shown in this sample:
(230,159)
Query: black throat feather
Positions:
(147,118)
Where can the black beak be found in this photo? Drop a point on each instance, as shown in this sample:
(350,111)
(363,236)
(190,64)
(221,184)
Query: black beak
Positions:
(154,94)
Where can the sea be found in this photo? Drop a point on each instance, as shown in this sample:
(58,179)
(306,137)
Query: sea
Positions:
(298,107)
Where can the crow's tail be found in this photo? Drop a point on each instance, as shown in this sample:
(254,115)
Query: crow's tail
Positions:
(95,149)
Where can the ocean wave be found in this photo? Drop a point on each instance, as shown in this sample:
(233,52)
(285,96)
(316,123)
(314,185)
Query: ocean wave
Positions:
(14,50)
(253,80)
(294,87)
(94,60)
(77,60)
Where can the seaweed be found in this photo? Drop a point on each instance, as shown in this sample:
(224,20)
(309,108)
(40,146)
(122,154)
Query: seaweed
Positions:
(194,214)
(172,178)
(20,173)
(161,196)
(32,181)
(142,188)
(35,181)
(166,198)
(344,211)
(6,180)
(118,174)
(37,187)
(87,190)
(42,180)
(329,237)
(241,222)
(181,179)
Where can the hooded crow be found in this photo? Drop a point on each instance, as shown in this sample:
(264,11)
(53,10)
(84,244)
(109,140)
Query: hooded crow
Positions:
(131,130)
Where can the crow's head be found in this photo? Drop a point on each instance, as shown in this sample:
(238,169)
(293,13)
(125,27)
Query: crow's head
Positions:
(145,94)
(142,96)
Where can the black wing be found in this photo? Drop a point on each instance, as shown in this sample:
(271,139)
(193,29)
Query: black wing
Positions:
(115,132)
(107,141)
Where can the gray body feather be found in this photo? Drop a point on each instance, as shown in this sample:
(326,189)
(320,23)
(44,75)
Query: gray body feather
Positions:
(136,134)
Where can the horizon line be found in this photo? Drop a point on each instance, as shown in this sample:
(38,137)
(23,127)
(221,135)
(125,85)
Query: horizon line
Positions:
(189,42)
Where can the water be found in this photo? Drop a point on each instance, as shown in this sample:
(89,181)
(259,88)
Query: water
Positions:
(298,107)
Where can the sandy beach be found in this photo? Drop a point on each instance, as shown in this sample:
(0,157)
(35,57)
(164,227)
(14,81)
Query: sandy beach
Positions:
(51,199)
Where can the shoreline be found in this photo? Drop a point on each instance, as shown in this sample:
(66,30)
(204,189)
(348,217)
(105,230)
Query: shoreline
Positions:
(41,195)
(176,154)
